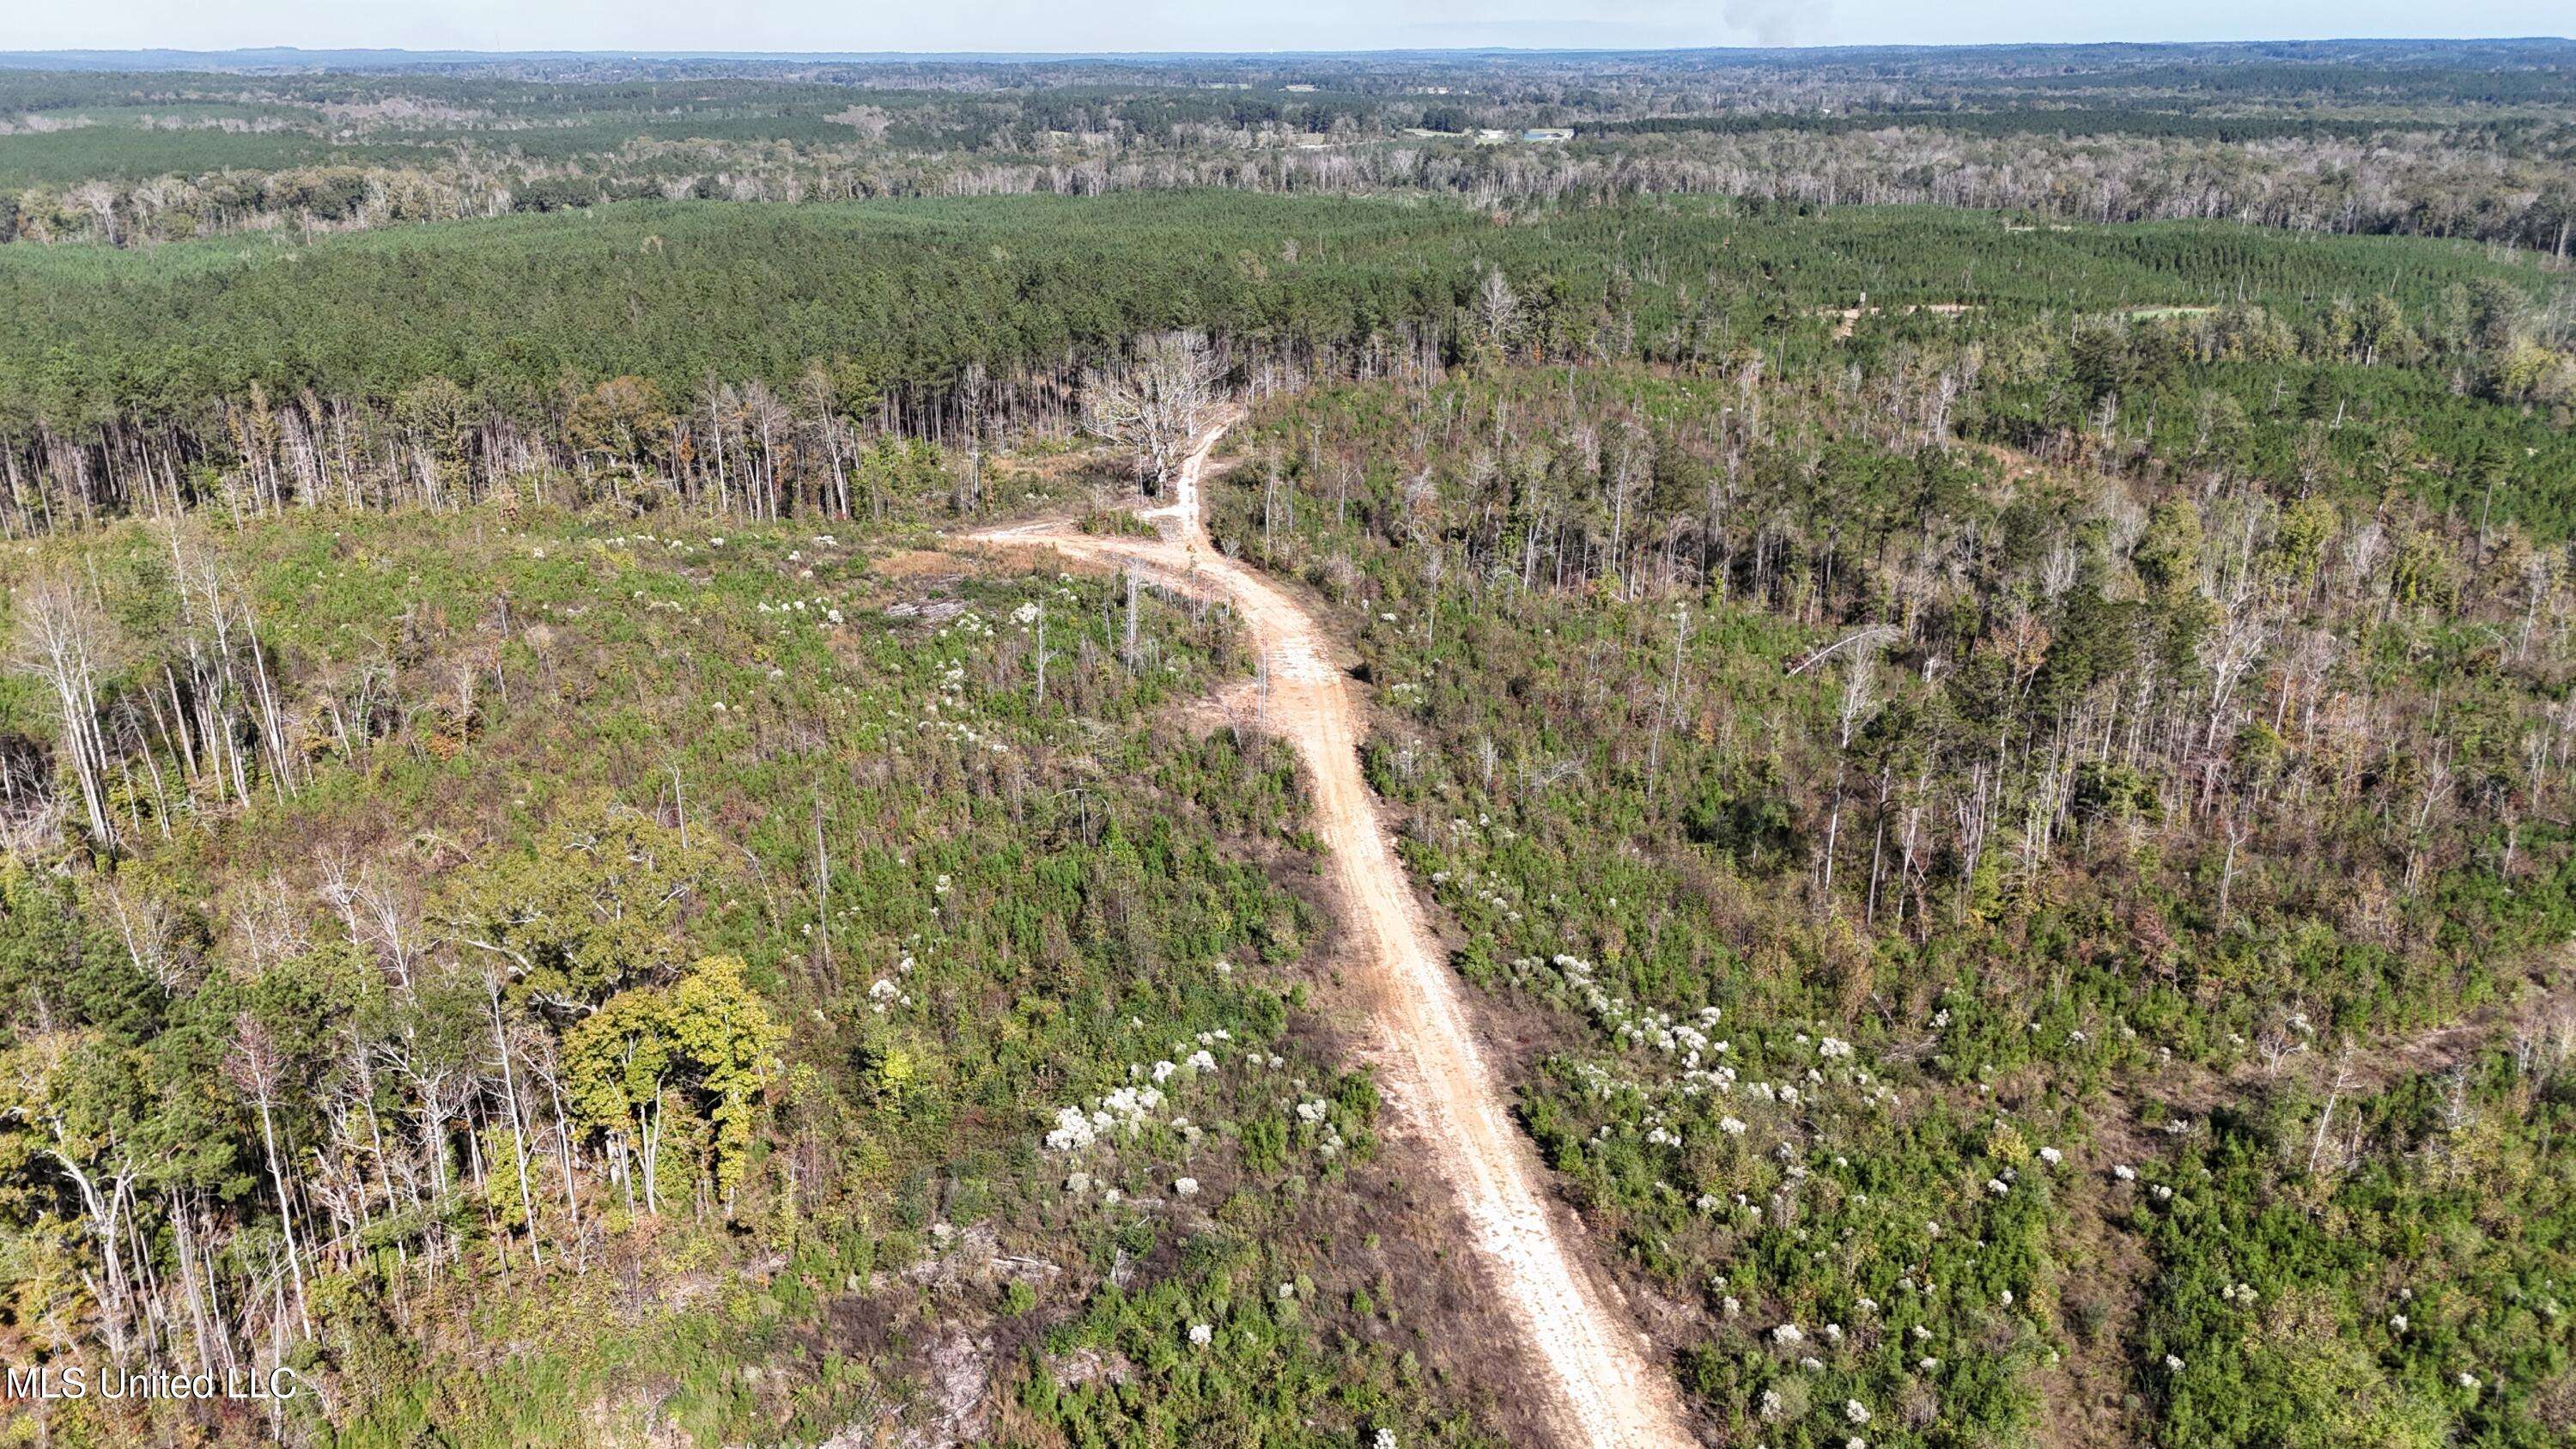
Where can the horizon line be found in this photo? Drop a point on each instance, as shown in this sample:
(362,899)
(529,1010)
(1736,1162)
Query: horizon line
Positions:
(638,53)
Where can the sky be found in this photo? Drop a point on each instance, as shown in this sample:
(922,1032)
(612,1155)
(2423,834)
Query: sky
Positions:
(1136,25)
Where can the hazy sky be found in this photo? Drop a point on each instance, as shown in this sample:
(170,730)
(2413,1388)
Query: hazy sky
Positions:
(1041,25)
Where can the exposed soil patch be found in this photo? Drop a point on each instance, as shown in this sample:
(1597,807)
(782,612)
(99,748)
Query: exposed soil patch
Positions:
(1849,317)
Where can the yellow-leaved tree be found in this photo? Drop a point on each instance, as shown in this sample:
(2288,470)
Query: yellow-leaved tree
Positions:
(705,1044)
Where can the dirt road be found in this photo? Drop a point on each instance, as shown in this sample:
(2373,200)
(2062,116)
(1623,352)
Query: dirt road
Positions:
(1603,1388)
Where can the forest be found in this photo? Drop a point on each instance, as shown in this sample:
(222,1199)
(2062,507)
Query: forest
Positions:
(2451,139)
(1996,778)
(679,347)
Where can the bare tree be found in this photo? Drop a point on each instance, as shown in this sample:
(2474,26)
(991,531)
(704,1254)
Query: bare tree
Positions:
(1498,313)
(518,1118)
(974,418)
(62,639)
(151,927)
(2343,1082)
(256,1067)
(1860,701)
(2278,1043)
(1156,400)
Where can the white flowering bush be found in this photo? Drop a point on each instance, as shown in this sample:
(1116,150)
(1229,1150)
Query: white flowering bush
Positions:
(2451,1278)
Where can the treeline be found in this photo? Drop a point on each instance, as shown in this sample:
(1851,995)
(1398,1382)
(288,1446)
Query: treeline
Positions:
(2189,656)
(2065,121)
(2396,187)
(2385,183)
(2467,403)
(774,363)
(765,369)
(834,446)
(2477,149)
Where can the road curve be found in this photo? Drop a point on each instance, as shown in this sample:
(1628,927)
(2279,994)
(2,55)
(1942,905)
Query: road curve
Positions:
(1598,1381)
